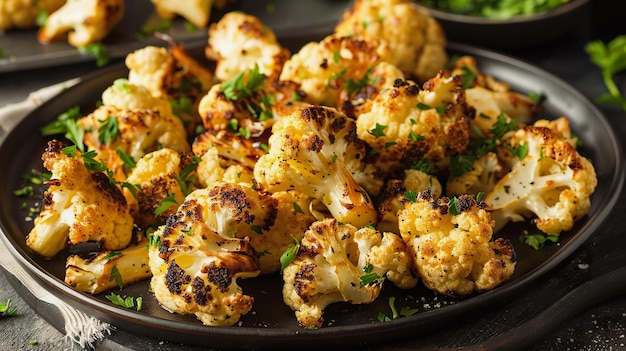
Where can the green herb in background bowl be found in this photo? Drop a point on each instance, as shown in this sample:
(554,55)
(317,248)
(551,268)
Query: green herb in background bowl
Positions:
(494,8)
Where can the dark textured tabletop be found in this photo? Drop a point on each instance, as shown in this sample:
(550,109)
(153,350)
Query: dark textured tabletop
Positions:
(578,305)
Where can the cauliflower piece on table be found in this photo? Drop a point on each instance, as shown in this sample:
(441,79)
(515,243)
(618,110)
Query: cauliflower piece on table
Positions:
(133,122)
(195,269)
(451,239)
(79,205)
(238,42)
(342,263)
(84,21)
(315,151)
(550,184)
(416,39)
(22,14)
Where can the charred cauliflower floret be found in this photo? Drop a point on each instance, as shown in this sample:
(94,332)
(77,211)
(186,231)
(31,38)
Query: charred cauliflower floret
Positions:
(451,239)
(173,75)
(314,151)
(79,205)
(83,21)
(238,42)
(416,39)
(22,14)
(269,221)
(392,198)
(195,269)
(158,183)
(132,122)
(341,263)
(248,105)
(407,123)
(550,182)
(107,270)
(328,70)
(490,97)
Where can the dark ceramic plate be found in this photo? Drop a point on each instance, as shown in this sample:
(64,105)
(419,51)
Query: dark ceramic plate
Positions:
(513,33)
(272,324)
(22,50)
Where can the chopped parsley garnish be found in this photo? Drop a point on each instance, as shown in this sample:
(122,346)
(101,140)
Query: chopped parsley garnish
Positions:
(126,302)
(6,310)
(244,84)
(537,241)
(378,131)
(165,204)
(97,50)
(116,276)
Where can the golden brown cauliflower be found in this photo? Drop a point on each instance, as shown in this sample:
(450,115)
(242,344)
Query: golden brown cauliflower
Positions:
(451,239)
(315,151)
(417,41)
(132,122)
(171,74)
(107,270)
(238,42)
(79,205)
(270,222)
(83,21)
(328,70)
(406,123)
(195,269)
(22,14)
(158,183)
(339,262)
(391,198)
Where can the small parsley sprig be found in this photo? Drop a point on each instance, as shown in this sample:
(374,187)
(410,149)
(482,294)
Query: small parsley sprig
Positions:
(6,310)
(611,58)
(126,302)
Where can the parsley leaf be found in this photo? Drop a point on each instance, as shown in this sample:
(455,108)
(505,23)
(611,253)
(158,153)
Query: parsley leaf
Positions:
(537,241)
(6,310)
(290,254)
(611,59)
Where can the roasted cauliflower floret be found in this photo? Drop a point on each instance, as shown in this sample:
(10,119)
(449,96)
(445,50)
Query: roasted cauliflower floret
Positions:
(451,239)
(107,270)
(158,183)
(269,221)
(490,98)
(328,70)
(550,183)
(407,123)
(238,42)
(392,198)
(79,205)
(171,74)
(22,14)
(248,104)
(416,39)
(198,12)
(195,269)
(341,263)
(313,151)
(132,122)
(83,21)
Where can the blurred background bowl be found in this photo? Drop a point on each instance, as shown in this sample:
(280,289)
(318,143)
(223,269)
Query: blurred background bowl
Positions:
(513,33)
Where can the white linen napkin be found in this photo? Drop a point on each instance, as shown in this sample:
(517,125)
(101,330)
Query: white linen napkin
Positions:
(81,329)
